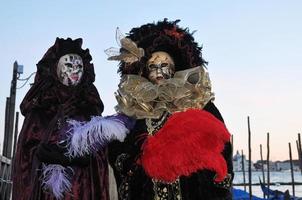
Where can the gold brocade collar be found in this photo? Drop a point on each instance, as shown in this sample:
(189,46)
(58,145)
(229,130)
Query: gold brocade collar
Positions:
(138,97)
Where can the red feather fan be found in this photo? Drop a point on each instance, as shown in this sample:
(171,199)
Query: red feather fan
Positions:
(189,141)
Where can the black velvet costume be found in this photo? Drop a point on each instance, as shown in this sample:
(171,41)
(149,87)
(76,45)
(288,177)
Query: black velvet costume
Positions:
(132,181)
(45,107)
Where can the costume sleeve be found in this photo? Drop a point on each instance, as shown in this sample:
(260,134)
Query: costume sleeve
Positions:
(123,155)
(227,152)
(92,105)
(211,108)
(25,162)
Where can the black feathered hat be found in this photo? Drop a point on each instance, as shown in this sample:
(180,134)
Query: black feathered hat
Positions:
(164,36)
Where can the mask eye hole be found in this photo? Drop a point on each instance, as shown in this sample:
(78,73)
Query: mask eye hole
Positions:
(68,65)
(164,65)
(80,66)
(152,66)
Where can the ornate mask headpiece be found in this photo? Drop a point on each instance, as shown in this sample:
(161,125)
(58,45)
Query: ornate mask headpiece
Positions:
(129,52)
(166,36)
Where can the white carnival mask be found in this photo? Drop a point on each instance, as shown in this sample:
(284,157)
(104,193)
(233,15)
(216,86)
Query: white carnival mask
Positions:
(70,69)
(160,66)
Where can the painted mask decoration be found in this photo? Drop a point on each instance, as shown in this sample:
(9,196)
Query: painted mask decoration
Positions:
(70,69)
(160,66)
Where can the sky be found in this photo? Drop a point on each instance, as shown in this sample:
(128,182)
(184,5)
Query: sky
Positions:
(253,48)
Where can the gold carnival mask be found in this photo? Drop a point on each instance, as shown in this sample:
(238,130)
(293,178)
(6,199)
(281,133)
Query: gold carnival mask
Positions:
(160,66)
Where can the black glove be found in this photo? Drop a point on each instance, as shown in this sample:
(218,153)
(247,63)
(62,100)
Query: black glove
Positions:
(55,154)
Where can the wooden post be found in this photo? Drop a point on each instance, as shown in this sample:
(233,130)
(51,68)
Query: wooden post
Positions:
(267,160)
(299,155)
(11,113)
(15,141)
(2,176)
(300,151)
(291,169)
(0,162)
(243,170)
(250,157)
(262,168)
(232,143)
(6,126)
(16,133)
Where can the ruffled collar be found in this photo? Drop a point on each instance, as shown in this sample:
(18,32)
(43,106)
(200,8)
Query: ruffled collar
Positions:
(139,98)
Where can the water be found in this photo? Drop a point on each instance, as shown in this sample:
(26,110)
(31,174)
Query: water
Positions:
(275,177)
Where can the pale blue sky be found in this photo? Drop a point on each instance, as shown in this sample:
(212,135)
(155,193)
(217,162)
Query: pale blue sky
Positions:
(253,47)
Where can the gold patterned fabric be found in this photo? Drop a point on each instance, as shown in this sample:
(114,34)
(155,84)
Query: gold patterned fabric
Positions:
(167,191)
(139,98)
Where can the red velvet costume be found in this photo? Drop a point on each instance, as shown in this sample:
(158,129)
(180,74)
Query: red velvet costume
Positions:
(46,107)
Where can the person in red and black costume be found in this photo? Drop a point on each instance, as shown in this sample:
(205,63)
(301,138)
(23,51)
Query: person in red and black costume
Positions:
(63,89)
(179,147)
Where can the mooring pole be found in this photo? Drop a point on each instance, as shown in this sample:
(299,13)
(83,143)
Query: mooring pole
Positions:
(243,170)
(267,160)
(262,168)
(250,157)
(291,169)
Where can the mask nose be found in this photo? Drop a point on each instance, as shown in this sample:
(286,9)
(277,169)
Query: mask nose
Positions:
(75,68)
(159,71)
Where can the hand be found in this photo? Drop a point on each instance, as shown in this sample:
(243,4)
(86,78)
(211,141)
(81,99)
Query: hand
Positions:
(55,154)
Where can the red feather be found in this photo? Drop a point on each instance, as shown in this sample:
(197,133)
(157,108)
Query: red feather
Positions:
(189,141)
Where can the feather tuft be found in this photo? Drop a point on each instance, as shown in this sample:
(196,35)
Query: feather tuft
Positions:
(85,137)
(56,179)
(189,141)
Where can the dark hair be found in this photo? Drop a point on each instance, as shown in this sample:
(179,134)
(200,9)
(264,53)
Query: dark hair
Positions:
(164,36)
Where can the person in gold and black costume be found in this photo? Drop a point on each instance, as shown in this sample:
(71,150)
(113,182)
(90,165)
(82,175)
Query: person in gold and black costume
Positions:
(179,147)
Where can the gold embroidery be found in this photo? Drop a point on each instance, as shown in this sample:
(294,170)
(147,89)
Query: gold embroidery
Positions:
(167,191)
(153,125)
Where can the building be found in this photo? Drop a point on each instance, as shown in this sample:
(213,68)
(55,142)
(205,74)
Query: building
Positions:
(285,165)
(259,163)
(237,163)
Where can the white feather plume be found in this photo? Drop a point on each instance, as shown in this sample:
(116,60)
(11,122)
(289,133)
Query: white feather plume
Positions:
(56,179)
(85,137)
